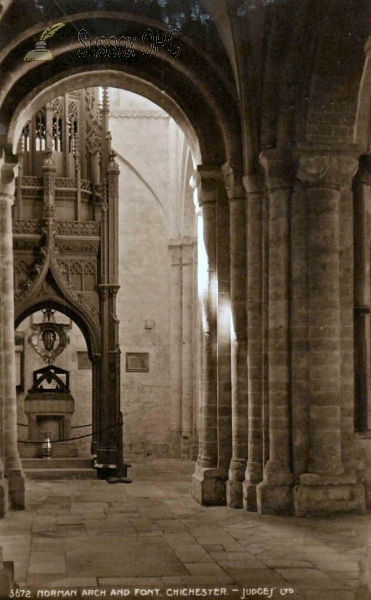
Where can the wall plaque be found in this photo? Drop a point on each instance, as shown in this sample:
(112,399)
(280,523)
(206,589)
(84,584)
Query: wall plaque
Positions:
(137,362)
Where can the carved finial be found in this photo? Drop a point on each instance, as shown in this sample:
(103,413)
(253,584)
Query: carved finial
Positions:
(76,144)
(105,100)
(112,164)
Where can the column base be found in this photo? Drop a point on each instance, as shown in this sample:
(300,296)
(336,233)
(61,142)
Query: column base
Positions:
(236,477)
(209,486)
(250,503)
(274,495)
(234,493)
(275,499)
(16,483)
(317,496)
(4,493)
(364,578)
(6,579)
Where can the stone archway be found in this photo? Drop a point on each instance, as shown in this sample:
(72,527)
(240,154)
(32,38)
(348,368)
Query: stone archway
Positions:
(181,86)
(93,349)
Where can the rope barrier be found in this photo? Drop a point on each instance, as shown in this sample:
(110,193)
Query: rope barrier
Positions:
(72,439)
(73,427)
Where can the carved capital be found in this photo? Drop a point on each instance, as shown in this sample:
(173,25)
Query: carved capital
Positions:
(8,174)
(254,183)
(103,292)
(109,288)
(207,180)
(279,169)
(318,168)
(233,181)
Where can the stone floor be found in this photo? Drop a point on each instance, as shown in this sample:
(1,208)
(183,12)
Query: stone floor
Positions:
(152,535)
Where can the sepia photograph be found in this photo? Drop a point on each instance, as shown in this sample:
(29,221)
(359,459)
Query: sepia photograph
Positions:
(185,299)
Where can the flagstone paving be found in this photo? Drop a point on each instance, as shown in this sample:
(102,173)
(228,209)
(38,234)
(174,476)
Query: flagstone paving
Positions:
(151,533)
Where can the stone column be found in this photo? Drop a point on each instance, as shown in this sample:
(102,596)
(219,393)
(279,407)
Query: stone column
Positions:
(96,419)
(65,136)
(208,480)
(196,350)
(18,209)
(237,224)
(13,467)
(175,338)
(78,183)
(325,487)
(186,347)
(274,494)
(254,186)
(4,491)
(224,390)
(110,441)
(362,289)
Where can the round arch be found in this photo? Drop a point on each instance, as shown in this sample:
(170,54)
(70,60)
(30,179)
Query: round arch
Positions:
(102,78)
(195,88)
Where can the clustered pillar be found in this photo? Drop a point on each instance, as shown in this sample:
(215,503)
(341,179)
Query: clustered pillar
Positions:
(284,443)
(12,490)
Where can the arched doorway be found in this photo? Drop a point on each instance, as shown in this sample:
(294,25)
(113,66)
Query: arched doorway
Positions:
(63,407)
(154,221)
(176,83)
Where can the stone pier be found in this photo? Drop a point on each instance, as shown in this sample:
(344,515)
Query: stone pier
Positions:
(209,481)
(255,336)
(274,494)
(328,484)
(14,486)
(237,227)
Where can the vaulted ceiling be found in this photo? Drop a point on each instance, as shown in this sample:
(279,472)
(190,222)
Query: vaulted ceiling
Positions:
(245,77)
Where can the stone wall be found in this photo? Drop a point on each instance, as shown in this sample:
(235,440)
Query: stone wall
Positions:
(149,149)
